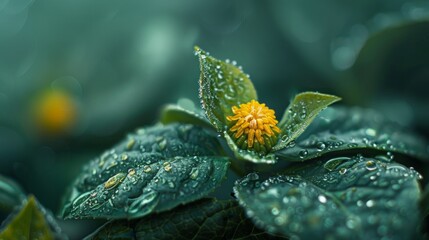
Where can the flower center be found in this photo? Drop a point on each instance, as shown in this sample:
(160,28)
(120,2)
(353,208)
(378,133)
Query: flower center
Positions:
(254,126)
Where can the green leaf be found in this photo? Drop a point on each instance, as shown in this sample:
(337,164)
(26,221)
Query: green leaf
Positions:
(350,130)
(248,155)
(391,59)
(204,219)
(222,86)
(185,112)
(11,194)
(300,113)
(28,224)
(154,170)
(343,198)
(424,202)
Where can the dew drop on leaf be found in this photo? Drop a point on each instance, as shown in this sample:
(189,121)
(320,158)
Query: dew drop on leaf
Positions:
(370,165)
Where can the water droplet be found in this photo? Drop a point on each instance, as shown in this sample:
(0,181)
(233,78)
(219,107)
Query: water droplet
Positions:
(352,145)
(322,198)
(167,166)
(370,165)
(303,153)
(320,146)
(343,171)
(371,132)
(80,199)
(275,211)
(162,144)
(370,203)
(124,157)
(114,181)
(113,164)
(253,176)
(171,184)
(144,204)
(147,169)
(194,173)
(284,138)
(351,223)
(131,172)
(285,200)
(334,162)
(280,220)
(131,143)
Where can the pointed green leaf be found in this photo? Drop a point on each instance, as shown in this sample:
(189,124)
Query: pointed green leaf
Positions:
(222,86)
(28,224)
(248,155)
(11,194)
(343,198)
(204,219)
(154,170)
(300,113)
(185,112)
(347,130)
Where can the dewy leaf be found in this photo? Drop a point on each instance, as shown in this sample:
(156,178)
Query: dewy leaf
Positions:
(343,198)
(300,113)
(353,129)
(11,194)
(222,86)
(204,219)
(248,155)
(152,171)
(185,112)
(28,224)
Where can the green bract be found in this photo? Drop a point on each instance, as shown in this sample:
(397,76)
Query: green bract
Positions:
(223,86)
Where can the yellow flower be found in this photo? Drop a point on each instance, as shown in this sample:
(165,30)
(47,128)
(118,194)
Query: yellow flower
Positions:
(254,126)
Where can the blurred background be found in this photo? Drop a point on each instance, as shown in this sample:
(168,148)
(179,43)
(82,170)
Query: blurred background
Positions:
(76,76)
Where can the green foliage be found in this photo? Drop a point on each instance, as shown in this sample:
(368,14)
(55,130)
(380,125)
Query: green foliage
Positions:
(424,202)
(11,194)
(154,170)
(222,86)
(343,198)
(185,112)
(300,113)
(349,130)
(154,183)
(204,219)
(28,224)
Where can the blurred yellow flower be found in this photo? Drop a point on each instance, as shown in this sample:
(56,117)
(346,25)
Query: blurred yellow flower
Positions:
(55,112)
